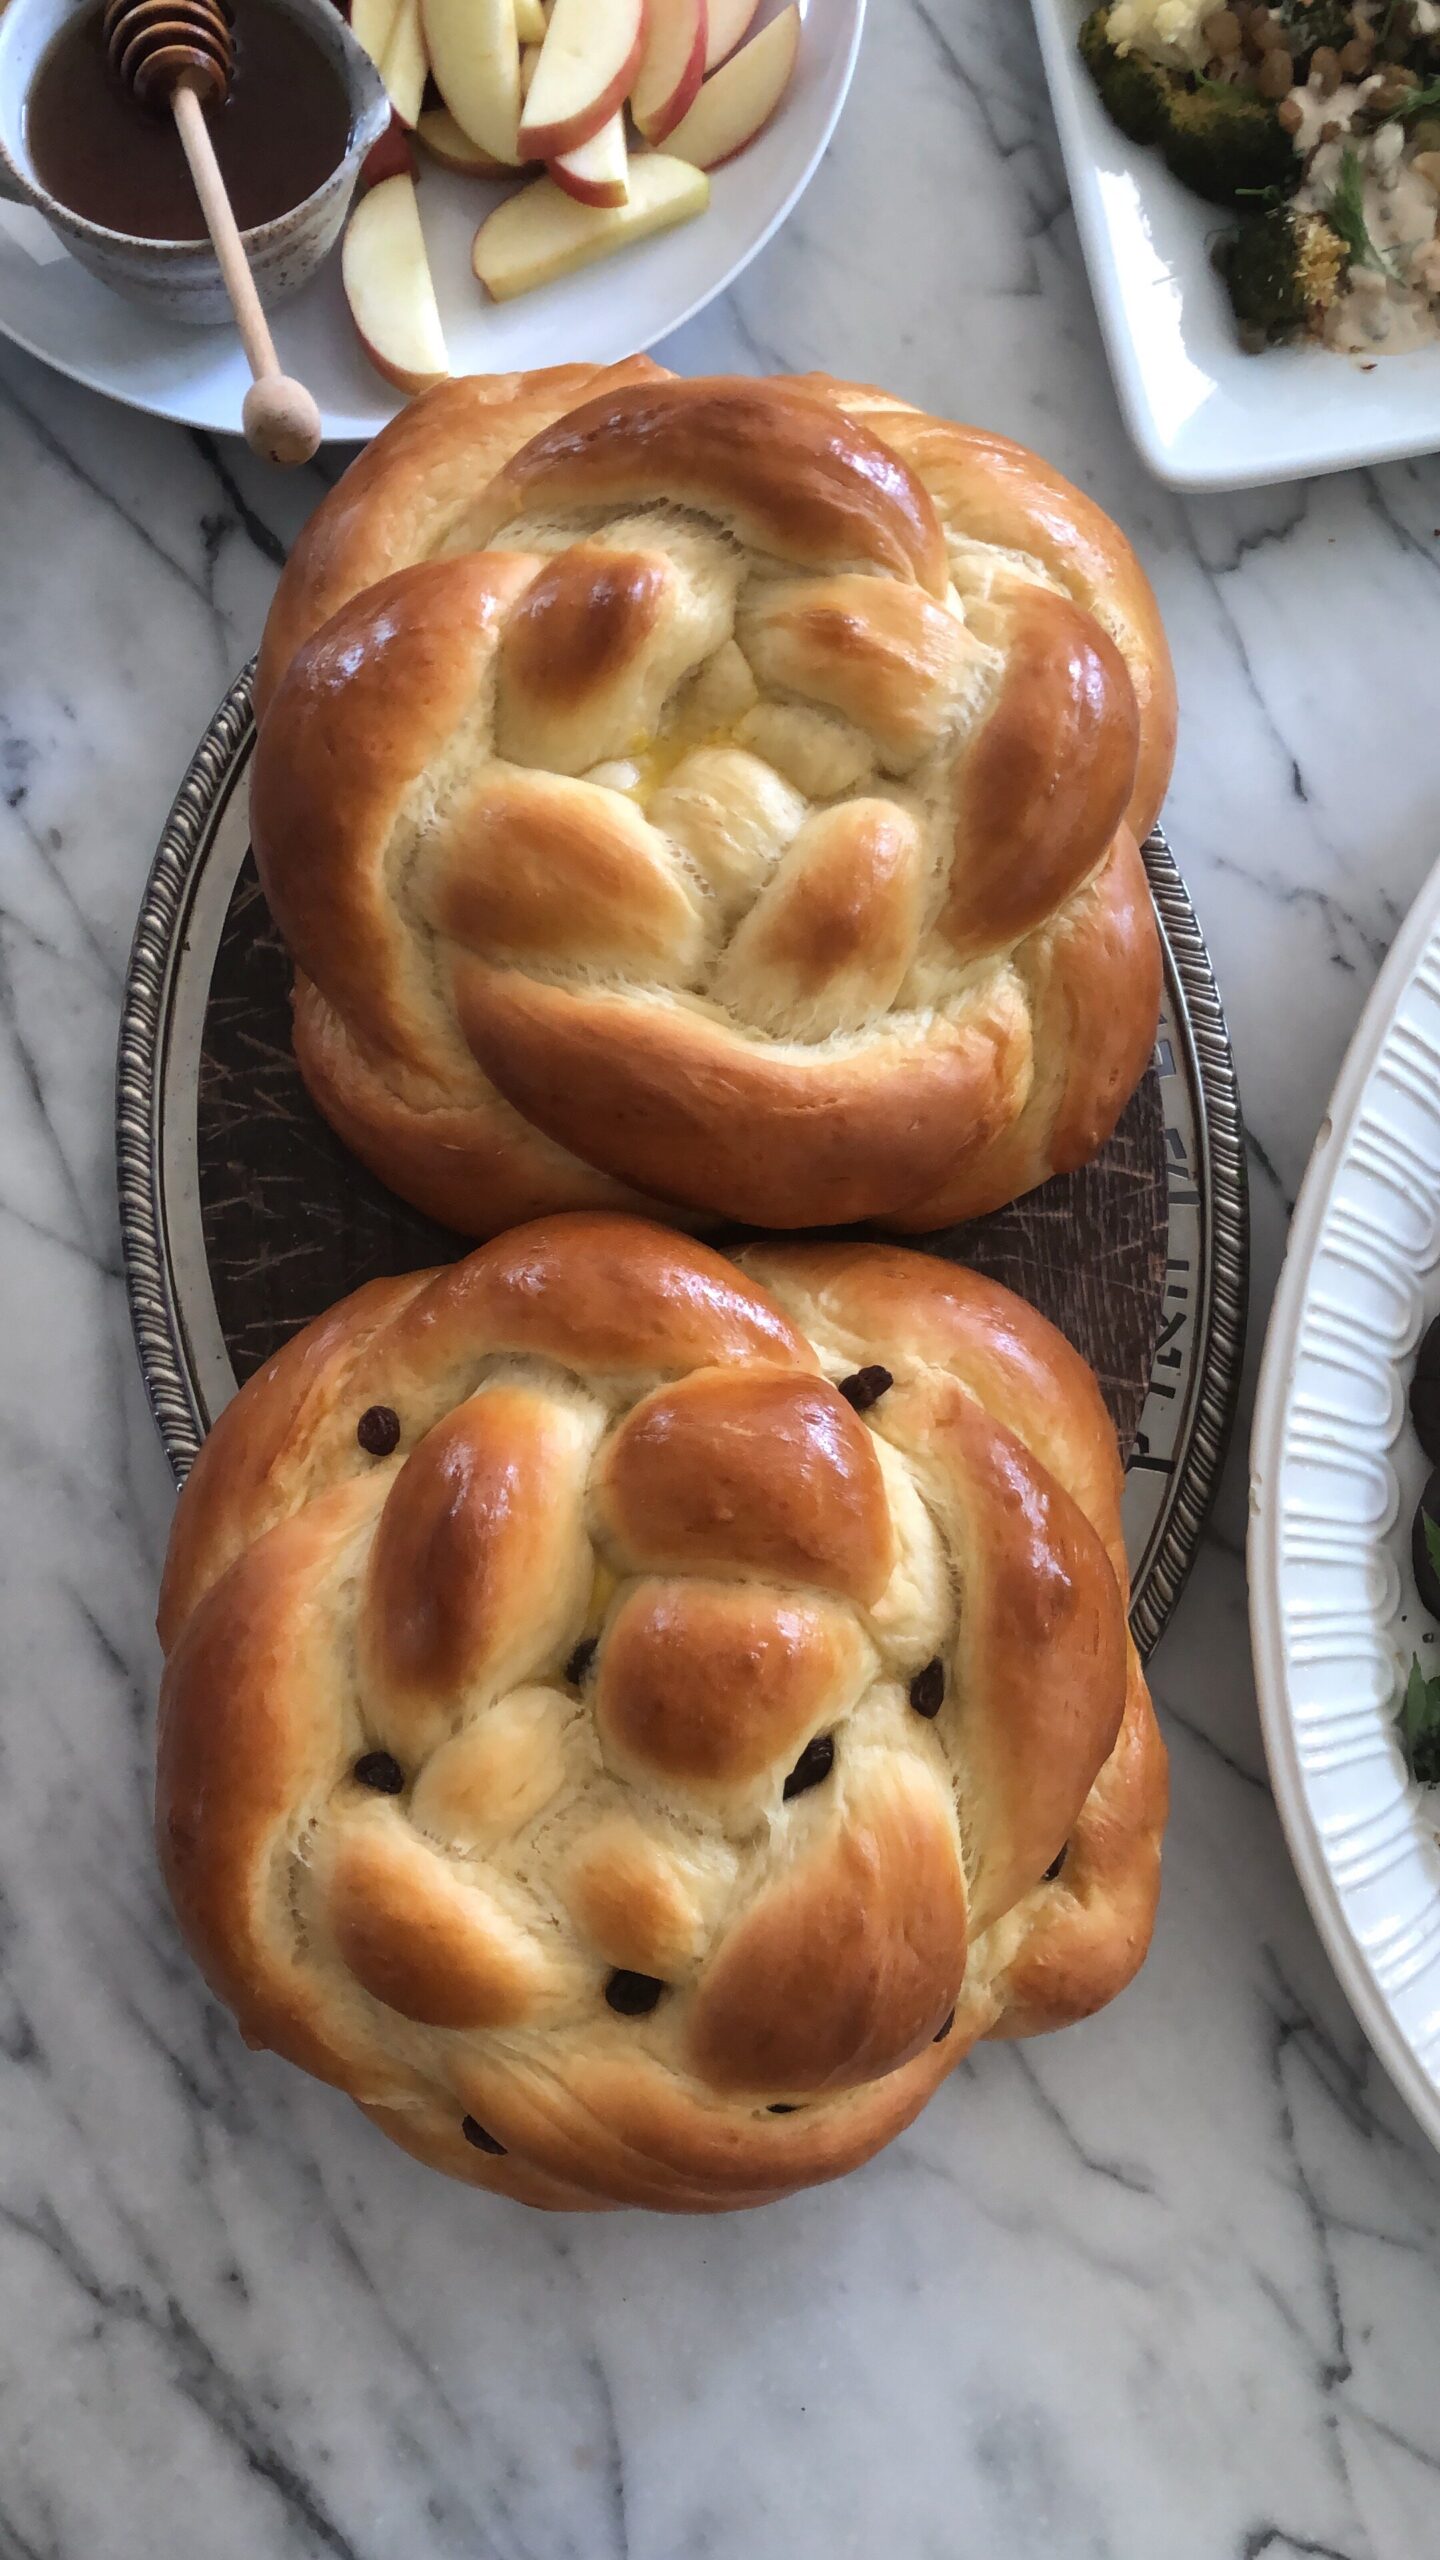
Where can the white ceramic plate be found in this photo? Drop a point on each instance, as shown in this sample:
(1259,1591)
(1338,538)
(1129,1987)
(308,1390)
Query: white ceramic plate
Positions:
(52,308)
(1205,415)
(1336,1472)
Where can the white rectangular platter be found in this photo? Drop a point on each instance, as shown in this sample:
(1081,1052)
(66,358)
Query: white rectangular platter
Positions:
(1204,414)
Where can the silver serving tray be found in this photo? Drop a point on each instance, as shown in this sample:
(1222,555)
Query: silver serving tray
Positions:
(1188,1407)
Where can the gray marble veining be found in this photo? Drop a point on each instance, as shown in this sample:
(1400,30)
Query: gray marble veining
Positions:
(1163,2289)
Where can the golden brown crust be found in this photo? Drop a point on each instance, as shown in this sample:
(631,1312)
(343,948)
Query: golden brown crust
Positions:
(405,497)
(795,480)
(649,1649)
(714,795)
(1006,497)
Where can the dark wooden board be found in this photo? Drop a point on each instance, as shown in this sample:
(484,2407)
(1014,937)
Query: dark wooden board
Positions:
(292,1222)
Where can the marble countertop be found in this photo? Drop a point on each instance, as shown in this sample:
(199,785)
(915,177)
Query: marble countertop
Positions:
(1160,2289)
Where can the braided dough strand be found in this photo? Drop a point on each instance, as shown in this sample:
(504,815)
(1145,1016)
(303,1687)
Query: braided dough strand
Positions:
(644,1781)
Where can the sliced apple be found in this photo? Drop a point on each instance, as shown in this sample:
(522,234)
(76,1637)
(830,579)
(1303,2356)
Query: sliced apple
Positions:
(449,143)
(729,21)
(475,57)
(672,65)
(393,156)
(530,21)
(529,56)
(389,288)
(599,172)
(403,65)
(740,97)
(372,23)
(542,233)
(589,57)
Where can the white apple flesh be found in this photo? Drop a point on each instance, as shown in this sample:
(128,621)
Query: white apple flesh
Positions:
(671,66)
(729,21)
(741,97)
(438,133)
(475,57)
(388,286)
(599,172)
(541,233)
(403,65)
(372,23)
(587,62)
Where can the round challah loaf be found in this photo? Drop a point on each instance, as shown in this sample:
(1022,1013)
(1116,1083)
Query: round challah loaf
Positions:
(725,795)
(634,1721)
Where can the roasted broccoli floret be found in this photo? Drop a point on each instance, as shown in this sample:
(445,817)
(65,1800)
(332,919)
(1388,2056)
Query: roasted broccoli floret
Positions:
(1228,144)
(1224,143)
(1282,268)
(1134,91)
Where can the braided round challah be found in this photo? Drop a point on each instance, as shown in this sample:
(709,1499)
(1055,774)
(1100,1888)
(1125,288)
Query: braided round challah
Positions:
(725,795)
(634,1722)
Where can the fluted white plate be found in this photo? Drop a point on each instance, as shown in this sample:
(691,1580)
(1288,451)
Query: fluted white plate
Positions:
(1336,1472)
(53,309)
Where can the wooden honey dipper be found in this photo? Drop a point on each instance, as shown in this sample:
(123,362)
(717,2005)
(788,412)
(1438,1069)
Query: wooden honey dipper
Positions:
(181,53)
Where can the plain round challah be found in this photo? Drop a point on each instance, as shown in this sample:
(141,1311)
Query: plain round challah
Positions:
(634,1721)
(725,795)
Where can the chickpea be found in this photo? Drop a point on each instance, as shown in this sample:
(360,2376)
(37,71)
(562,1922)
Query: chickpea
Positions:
(1290,115)
(1221,31)
(1392,91)
(1355,58)
(1276,75)
(1426,165)
(1325,67)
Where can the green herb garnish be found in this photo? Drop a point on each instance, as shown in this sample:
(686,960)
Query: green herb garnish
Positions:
(1419,1717)
(1419,1722)
(1345,213)
(1416,102)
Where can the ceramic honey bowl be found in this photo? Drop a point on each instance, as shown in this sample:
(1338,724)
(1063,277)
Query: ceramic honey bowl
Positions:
(178,278)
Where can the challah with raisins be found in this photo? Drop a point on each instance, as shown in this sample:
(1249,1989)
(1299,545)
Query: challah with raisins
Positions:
(634,1721)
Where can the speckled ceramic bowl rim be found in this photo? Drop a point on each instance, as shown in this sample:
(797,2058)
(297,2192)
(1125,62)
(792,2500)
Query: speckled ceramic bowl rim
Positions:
(260,234)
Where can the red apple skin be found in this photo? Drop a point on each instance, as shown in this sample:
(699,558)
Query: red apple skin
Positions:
(664,118)
(551,141)
(359,227)
(687,142)
(393,156)
(584,190)
(395,375)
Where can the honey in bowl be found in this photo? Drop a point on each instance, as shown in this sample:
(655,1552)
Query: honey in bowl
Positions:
(278,135)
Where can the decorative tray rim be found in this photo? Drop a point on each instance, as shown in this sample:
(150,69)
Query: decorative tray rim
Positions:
(155,1298)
